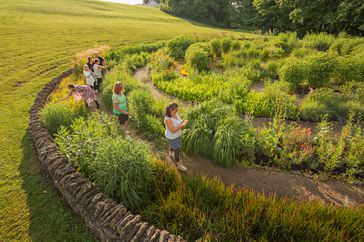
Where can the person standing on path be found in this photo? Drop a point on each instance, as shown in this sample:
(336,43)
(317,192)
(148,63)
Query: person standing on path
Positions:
(90,77)
(119,105)
(174,126)
(90,63)
(98,73)
(82,92)
(101,62)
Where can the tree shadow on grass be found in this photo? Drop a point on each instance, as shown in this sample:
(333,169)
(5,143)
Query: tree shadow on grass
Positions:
(50,217)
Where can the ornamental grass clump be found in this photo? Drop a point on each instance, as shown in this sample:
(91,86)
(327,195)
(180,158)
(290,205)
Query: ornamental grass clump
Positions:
(123,169)
(202,208)
(55,115)
(231,138)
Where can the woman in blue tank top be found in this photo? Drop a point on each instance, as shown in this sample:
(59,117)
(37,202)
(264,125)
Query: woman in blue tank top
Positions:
(174,126)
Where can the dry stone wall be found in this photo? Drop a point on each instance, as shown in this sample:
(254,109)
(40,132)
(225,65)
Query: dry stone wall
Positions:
(109,220)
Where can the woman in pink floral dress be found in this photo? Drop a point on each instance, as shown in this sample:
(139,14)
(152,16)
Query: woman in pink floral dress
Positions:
(82,92)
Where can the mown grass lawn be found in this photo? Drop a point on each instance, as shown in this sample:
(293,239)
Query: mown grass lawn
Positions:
(39,40)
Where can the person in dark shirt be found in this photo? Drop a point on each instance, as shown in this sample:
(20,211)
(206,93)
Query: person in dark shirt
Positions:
(102,60)
(90,63)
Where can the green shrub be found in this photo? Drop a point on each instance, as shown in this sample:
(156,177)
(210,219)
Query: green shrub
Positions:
(345,46)
(145,117)
(119,54)
(55,115)
(348,69)
(268,141)
(287,41)
(274,100)
(321,41)
(320,69)
(79,143)
(123,169)
(235,45)
(106,96)
(312,110)
(133,62)
(216,47)
(272,69)
(177,47)
(161,61)
(302,52)
(336,105)
(197,58)
(226,44)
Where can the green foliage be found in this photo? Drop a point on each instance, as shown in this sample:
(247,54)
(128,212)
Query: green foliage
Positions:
(177,47)
(274,100)
(161,61)
(336,105)
(55,115)
(165,180)
(123,169)
(197,58)
(133,62)
(145,115)
(320,69)
(216,131)
(321,41)
(232,139)
(79,143)
(216,47)
(119,54)
(348,69)
(294,73)
(205,209)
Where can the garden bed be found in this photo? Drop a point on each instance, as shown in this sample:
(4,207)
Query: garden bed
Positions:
(195,207)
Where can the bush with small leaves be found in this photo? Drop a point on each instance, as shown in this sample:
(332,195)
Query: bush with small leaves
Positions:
(197,58)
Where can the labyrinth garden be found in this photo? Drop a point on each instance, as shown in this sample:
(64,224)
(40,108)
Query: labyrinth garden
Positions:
(223,84)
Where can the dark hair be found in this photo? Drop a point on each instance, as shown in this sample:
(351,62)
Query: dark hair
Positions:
(170,108)
(71,85)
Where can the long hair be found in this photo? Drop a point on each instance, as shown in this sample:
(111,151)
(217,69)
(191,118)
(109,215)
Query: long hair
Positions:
(170,108)
(118,88)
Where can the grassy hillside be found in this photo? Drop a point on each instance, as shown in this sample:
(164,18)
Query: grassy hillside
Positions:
(39,40)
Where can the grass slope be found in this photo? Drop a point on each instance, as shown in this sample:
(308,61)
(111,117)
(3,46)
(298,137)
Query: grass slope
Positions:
(39,39)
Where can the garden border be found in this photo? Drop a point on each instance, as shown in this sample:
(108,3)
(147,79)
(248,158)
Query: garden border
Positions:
(106,218)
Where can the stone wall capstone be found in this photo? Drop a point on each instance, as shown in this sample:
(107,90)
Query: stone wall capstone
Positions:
(106,218)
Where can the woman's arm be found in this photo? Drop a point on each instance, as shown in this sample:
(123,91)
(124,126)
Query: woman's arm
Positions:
(116,107)
(172,128)
(68,96)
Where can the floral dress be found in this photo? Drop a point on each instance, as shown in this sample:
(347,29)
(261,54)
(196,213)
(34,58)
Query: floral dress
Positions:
(83,92)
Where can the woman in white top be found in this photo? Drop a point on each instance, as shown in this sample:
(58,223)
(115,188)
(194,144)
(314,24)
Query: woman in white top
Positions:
(98,73)
(90,78)
(174,126)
